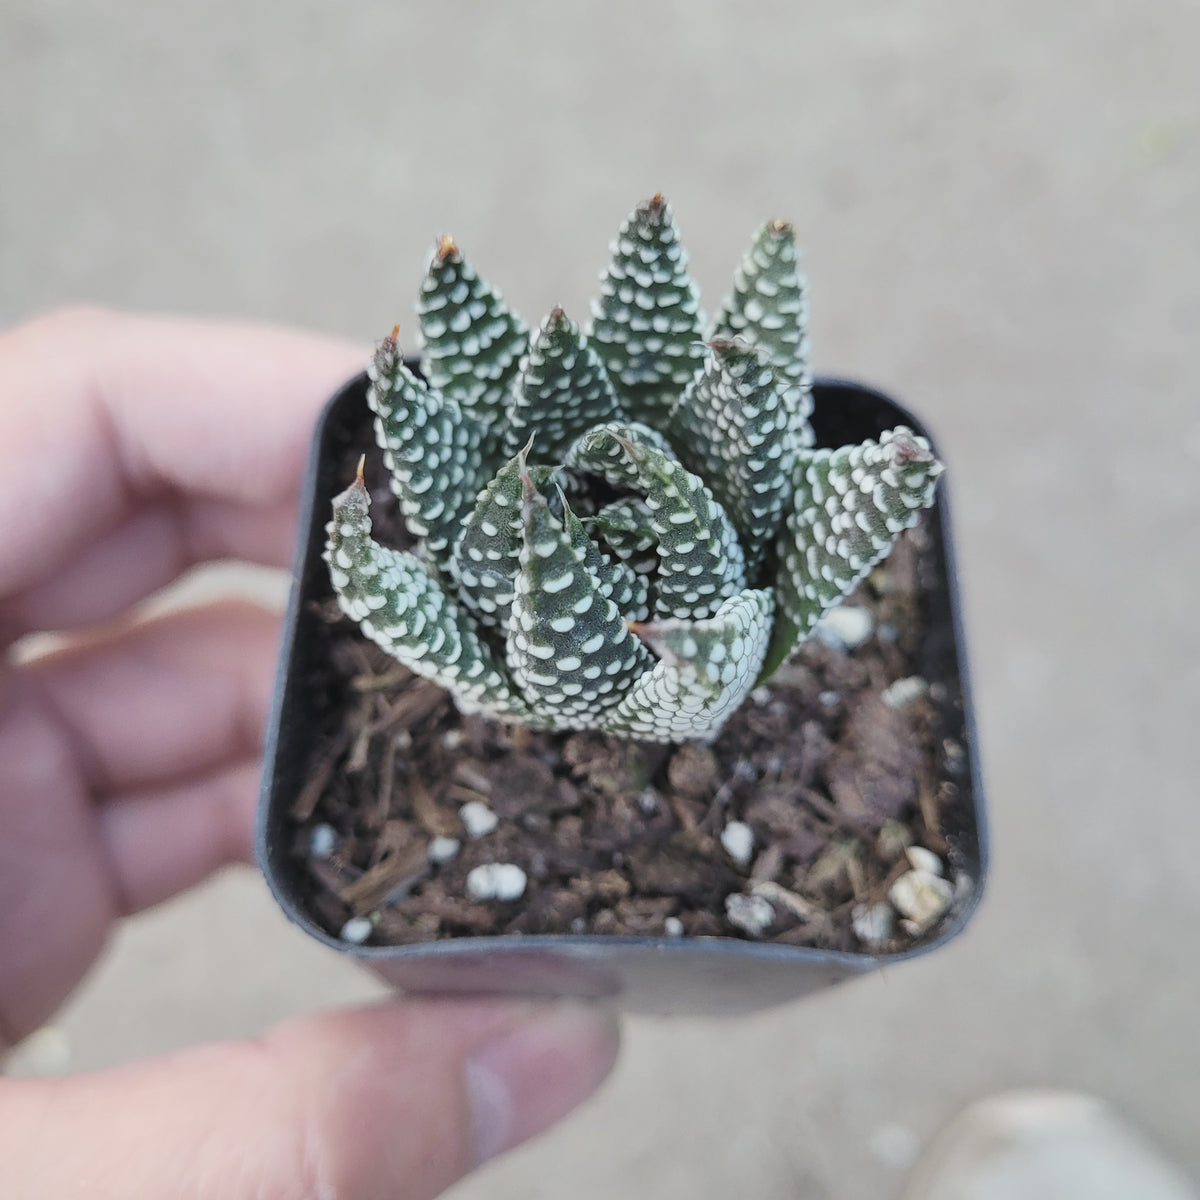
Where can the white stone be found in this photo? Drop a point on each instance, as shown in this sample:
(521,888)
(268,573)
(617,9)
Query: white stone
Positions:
(738,839)
(478,820)
(873,923)
(752,914)
(921,859)
(921,898)
(904,691)
(846,627)
(673,927)
(357,930)
(496,881)
(322,841)
(443,849)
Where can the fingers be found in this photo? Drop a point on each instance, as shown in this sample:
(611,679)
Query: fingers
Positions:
(165,700)
(165,840)
(105,414)
(150,549)
(394,1102)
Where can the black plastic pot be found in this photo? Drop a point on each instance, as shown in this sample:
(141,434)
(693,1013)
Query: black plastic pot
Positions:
(701,975)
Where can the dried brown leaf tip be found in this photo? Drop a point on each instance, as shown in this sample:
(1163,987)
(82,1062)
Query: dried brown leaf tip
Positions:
(447,248)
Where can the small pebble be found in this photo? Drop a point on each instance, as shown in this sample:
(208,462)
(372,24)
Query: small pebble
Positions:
(752,914)
(761,695)
(478,820)
(496,881)
(322,841)
(887,632)
(846,627)
(873,923)
(921,898)
(403,740)
(648,801)
(738,839)
(673,927)
(452,739)
(904,691)
(921,859)
(443,849)
(357,930)
(579,925)
(830,699)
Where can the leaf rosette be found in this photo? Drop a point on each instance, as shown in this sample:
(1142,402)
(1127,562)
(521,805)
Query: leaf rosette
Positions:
(622,528)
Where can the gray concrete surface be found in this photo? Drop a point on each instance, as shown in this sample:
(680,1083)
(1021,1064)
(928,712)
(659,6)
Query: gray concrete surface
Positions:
(1000,204)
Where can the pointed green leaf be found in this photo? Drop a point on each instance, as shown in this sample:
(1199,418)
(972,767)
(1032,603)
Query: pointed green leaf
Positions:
(647,322)
(569,649)
(733,430)
(704,672)
(626,527)
(700,561)
(768,308)
(618,581)
(487,553)
(851,505)
(473,344)
(561,391)
(403,609)
(431,449)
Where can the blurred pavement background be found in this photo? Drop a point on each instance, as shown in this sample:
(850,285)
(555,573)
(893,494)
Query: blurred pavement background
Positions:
(1000,207)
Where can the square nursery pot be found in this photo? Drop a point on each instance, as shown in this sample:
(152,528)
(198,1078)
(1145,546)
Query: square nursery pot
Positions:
(864,796)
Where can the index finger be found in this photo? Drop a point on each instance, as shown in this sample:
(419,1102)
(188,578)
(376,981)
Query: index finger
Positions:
(198,427)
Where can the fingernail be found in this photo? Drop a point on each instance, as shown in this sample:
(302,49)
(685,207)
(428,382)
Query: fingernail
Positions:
(527,1079)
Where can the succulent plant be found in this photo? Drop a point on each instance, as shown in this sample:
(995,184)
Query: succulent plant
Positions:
(623,529)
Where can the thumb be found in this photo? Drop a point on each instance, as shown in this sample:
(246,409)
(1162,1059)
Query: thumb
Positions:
(395,1101)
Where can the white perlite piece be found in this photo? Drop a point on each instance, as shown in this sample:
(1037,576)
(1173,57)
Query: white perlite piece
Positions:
(873,923)
(673,927)
(322,841)
(478,820)
(357,930)
(846,627)
(738,839)
(921,897)
(496,881)
(443,849)
(752,914)
(921,859)
(904,691)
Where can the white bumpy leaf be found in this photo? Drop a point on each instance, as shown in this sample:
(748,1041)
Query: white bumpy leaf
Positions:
(403,609)
(570,651)
(851,504)
(704,672)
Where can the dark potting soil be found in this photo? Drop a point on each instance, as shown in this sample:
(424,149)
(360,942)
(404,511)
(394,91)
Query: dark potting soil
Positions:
(835,775)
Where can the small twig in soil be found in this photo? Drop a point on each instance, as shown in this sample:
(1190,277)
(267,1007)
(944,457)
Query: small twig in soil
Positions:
(830,812)
(306,802)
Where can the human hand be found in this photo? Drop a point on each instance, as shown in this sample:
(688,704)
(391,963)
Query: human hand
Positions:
(131,448)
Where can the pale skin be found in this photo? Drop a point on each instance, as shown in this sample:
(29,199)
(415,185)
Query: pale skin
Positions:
(131,448)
